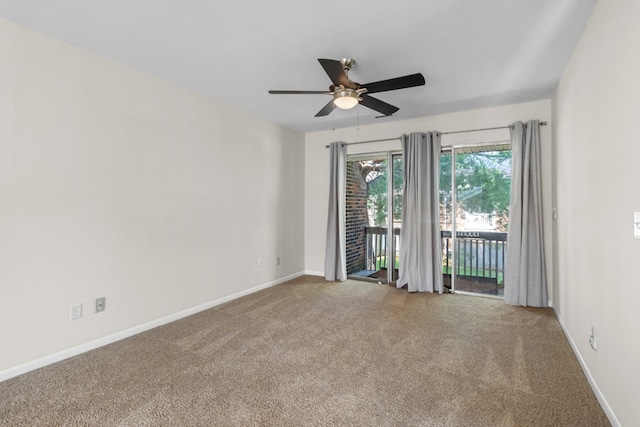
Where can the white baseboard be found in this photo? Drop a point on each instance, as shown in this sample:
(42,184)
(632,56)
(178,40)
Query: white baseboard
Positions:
(592,382)
(83,348)
(314,273)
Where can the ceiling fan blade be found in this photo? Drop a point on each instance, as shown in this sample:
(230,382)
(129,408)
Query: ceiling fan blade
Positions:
(299,92)
(334,69)
(397,83)
(326,109)
(376,104)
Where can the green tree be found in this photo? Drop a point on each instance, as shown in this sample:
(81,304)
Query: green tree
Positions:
(483,182)
(374,174)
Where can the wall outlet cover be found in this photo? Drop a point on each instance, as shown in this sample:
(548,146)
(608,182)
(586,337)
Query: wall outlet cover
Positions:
(100,304)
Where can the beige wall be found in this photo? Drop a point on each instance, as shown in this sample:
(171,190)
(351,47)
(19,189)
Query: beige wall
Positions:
(117,184)
(596,109)
(114,183)
(317,161)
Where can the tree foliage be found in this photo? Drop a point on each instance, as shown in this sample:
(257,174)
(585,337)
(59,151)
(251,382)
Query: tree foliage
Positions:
(488,173)
(484,173)
(374,174)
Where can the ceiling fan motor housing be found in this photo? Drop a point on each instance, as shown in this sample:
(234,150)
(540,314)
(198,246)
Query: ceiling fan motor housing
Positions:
(347,63)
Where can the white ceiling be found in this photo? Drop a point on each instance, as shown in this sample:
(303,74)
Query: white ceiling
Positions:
(473,53)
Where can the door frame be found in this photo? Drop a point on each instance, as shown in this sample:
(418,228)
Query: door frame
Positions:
(454,239)
(390,241)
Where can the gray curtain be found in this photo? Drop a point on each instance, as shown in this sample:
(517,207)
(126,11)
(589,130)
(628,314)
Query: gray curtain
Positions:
(420,242)
(524,277)
(335,265)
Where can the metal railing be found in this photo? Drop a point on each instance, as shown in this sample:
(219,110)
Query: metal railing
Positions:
(479,254)
(376,238)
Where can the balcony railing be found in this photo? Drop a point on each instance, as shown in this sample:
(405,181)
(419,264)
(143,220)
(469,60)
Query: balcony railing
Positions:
(377,246)
(479,255)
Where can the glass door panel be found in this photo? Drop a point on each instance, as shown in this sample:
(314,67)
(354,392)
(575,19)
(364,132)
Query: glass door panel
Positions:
(474,217)
(396,207)
(446,217)
(482,185)
(367,241)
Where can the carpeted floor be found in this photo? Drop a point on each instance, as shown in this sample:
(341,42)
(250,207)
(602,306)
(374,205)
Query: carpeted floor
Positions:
(312,353)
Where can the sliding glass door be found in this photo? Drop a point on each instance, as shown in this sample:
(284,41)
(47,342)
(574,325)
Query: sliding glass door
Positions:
(475,186)
(372,217)
(474,202)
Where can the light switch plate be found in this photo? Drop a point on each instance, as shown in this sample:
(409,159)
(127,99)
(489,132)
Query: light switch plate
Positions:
(636,225)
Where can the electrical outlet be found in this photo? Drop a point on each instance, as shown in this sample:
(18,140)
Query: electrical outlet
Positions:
(592,338)
(278,261)
(100,304)
(75,311)
(259,262)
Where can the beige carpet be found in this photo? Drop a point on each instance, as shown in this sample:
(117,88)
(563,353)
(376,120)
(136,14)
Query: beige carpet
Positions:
(309,352)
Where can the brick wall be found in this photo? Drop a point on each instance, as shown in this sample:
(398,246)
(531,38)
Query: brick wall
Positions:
(357,218)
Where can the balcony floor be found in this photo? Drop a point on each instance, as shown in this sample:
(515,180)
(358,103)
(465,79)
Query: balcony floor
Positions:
(464,283)
(364,273)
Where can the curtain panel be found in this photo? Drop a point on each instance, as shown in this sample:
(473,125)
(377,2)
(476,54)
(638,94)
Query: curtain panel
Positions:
(420,266)
(335,264)
(525,281)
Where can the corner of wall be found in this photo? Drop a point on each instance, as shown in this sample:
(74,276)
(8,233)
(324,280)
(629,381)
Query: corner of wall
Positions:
(592,382)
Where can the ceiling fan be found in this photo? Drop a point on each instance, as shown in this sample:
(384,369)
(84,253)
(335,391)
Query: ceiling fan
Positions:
(347,94)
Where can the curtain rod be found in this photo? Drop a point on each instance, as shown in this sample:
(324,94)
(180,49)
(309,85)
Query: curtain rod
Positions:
(441,133)
(481,129)
(369,141)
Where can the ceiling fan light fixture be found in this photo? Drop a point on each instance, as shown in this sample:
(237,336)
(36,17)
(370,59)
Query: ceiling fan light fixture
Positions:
(345,99)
